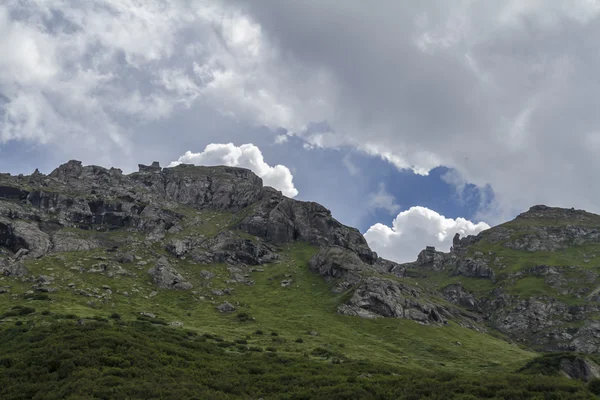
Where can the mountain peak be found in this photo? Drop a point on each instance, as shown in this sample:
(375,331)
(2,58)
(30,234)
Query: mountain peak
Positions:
(543,212)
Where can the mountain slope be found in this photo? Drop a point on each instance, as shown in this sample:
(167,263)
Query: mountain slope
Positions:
(535,278)
(205,266)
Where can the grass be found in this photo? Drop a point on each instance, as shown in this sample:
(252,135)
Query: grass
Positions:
(307,305)
(292,337)
(58,358)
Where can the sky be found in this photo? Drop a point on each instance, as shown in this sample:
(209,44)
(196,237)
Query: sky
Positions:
(411,121)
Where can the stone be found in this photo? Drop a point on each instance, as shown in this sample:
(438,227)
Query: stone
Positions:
(286,283)
(126,258)
(204,274)
(166,277)
(226,307)
(147,315)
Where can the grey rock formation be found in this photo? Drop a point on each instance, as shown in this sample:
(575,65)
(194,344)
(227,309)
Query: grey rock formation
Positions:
(12,268)
(16,234)
(226,307)
(456,293)
(580,368)
(281,220)
(226,247)
(166,277)
(474,268)
(376,297)
(338,263)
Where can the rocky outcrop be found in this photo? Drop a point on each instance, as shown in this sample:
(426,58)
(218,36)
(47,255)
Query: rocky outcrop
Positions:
(12,268)
(377,297)
(338,263)
(457,294)
(16,235)
(166,277)
(474,268)
(580,368)
(226,247)
(281,220)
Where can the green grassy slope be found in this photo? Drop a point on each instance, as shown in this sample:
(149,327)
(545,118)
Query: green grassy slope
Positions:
(279,343)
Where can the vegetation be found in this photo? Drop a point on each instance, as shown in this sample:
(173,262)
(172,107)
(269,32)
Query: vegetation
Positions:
(98,359)
(108,334)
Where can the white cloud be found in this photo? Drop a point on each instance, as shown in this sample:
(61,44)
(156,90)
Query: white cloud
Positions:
(416,228)
(350,166)
(497,91)
(280,139)
(383,200)
(245,156)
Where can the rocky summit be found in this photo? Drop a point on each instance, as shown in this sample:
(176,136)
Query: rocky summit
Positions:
(200,282)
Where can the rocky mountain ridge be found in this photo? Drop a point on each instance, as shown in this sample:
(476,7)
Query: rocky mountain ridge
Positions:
(533,279)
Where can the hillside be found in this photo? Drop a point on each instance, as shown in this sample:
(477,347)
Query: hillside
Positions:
(198,282)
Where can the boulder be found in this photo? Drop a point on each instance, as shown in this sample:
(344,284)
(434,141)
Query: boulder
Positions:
(226,307)
(166,277)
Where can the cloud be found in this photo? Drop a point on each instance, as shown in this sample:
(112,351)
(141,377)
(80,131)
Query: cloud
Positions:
(416,228)
(502,93)
(89,78)
(245,156)
(498,92)
(383,200)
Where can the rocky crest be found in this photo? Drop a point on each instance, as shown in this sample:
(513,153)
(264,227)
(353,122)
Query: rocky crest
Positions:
(488,281)
(44,215)
(548,306)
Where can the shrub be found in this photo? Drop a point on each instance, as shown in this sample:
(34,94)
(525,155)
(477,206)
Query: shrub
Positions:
(115,316)
(258,332)
(244,317)
(594,386)
(299,340)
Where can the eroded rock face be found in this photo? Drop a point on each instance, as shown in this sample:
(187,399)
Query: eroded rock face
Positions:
(474,268)
(580,368)
(166,277)
(282,220)
(226,247)
(457,294)
(16,235)
(338,263)
(378,297)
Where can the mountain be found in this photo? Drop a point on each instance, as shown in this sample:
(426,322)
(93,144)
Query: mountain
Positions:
(198,282)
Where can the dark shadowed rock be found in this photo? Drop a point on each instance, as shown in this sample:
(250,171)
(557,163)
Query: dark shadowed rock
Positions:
(16,234)
(580,368)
